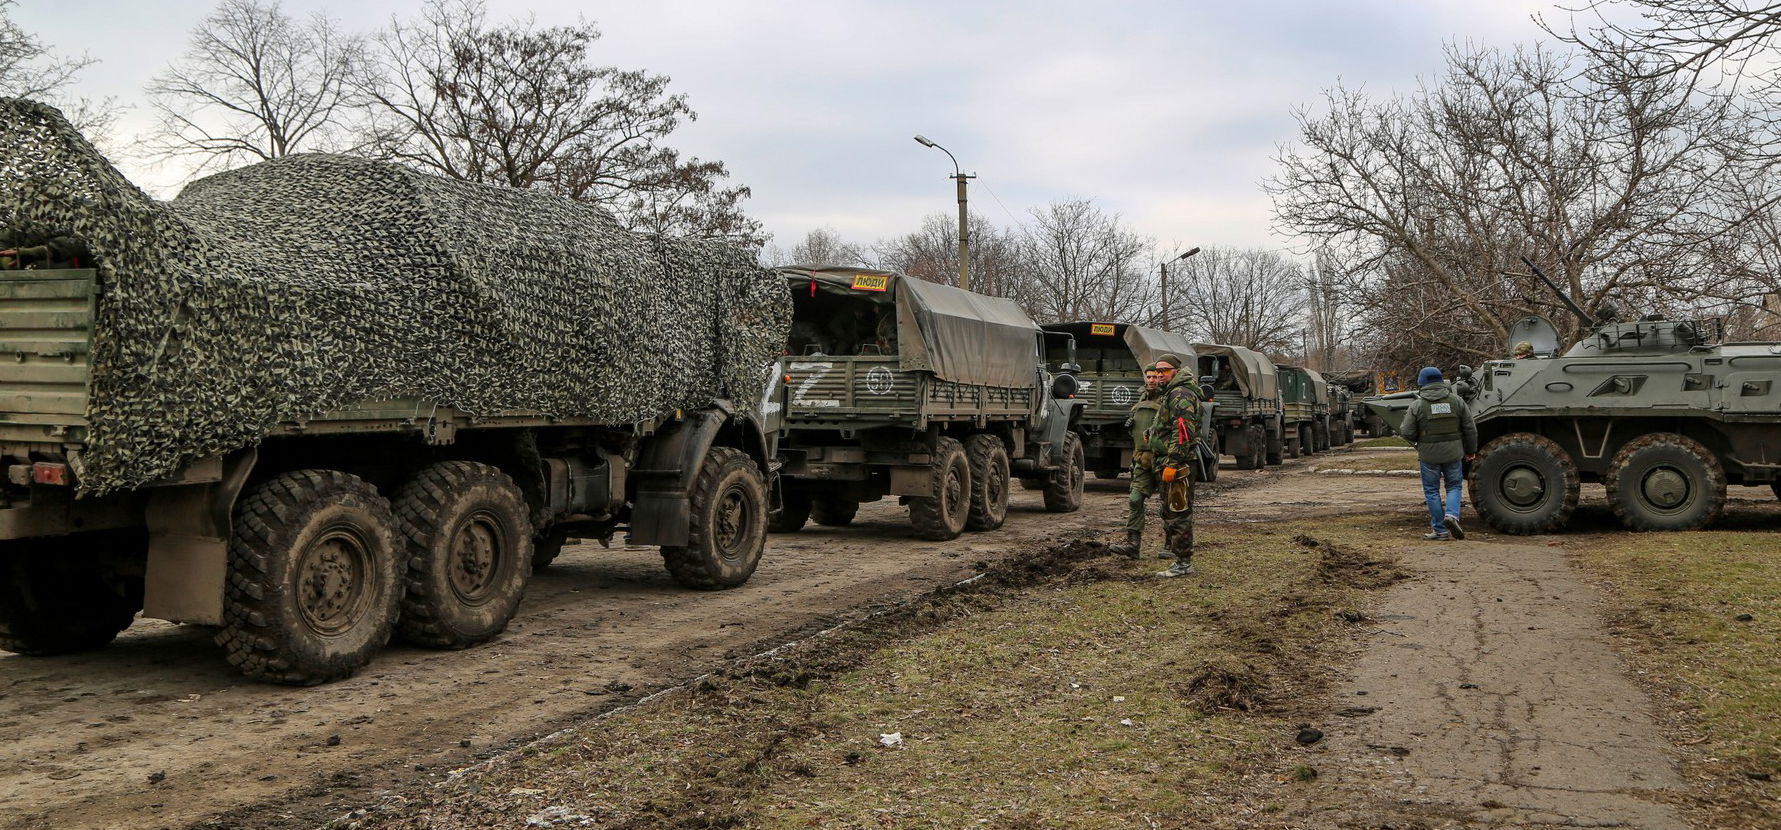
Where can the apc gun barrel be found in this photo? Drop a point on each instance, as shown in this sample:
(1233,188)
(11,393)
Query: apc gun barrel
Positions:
(1562,296)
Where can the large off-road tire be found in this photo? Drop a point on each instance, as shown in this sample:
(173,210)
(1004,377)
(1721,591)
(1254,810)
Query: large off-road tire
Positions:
(468,539)
(794,509)
(1665,481)
(1307,439)
(1292,445)
(990,482)
(1063,490)
(1251,457)
(833,512)
(314,578)
(1524,483)
(1274,452)
(728,527)
(59,596)
(942,516)
(547,546)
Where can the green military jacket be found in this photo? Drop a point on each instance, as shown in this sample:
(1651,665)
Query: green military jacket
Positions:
(1175,435)
(1144,414)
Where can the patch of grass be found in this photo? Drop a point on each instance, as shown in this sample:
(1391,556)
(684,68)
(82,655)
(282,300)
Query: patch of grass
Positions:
(1381,461)
(1376,443)
(1703,612)
(1088,698)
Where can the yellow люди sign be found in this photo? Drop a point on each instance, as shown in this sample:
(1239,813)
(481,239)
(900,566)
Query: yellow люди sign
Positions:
(1101,328)
(871,282)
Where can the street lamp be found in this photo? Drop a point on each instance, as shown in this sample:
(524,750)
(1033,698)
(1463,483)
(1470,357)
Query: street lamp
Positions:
(964,227)
(1165,281)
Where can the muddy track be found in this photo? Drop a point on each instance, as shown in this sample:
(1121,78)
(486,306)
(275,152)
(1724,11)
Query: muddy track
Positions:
(157,731)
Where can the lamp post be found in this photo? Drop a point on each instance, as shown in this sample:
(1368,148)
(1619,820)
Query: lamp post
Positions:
(1165,282)
(964,226)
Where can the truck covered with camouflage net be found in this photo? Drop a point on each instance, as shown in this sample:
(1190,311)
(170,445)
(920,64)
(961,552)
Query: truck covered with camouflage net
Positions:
(321,400)
(1246,397)
(894,386)
(1111,358)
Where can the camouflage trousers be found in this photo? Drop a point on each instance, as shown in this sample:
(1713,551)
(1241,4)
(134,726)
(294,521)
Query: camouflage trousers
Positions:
(1178,526)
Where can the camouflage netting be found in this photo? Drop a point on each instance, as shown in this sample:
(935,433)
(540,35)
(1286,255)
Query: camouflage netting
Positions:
(280,291)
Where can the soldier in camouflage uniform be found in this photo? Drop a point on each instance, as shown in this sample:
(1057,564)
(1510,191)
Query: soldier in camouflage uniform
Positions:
(1144,469)
(1175,440)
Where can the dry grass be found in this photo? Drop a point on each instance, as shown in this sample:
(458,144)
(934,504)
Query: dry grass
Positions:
(1371,462)
(1377,443)
(1701,613)
(1094,696)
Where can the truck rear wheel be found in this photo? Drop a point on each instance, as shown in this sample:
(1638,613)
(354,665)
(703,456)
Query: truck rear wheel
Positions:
(990,480)
(1275,444)
(942,516)
(728,525)
(794,510)
(834,512)
(1524,483)
(1063,490)
(1665,481)
(468,547)
(1320,433)
(56,600)
(314,578)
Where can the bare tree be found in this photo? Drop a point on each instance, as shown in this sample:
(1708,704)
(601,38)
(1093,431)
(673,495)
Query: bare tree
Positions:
(1329,315)
(1247,297)
(931,252)
(1614,181)
(1737,39)
(255,84)
(523,105)
(1085,264)
(821,248)
(29,70)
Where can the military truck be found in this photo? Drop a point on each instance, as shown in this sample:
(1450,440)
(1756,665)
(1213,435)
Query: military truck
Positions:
(164,455)
(1110,358)
(1343,414)
(1323,407)
(894,386)
(1246,399)
(1298,409)
(1653,408)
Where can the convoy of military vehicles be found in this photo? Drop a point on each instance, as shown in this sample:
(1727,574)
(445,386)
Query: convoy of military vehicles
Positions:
(366,503)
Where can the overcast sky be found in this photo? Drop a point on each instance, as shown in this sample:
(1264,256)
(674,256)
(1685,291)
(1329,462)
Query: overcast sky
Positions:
(1168,113)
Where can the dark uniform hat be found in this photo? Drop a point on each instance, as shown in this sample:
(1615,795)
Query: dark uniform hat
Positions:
(1169,358)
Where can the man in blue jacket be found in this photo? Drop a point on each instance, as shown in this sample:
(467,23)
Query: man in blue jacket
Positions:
(1441,427)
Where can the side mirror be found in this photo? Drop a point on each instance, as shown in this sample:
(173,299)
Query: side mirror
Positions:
(1064,386)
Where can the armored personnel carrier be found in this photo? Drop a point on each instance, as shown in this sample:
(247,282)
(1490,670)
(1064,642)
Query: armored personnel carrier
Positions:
(1111,358)
(1246,398)
(1652,408)
(893,386)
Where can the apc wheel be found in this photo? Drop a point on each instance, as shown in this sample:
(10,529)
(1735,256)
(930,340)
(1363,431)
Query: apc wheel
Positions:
(1665,481)
(547,546)
(794,510)
(57,597)
(942,516)
(1063,490)
(1524,483)
(468,536)
(728,523)
(834,512)
(990,482)
(314,578)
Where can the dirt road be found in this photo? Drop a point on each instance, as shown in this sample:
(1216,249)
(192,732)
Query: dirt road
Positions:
(158,731)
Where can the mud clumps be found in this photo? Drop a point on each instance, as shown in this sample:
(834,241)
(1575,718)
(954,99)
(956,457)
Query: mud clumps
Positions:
(1354,569)
(1223,684)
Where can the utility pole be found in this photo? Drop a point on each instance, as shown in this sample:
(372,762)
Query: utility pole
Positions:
(1164,285)
(964,213)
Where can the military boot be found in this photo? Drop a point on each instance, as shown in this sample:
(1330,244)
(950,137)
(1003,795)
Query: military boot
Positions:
(1182,567)
(1133,541)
